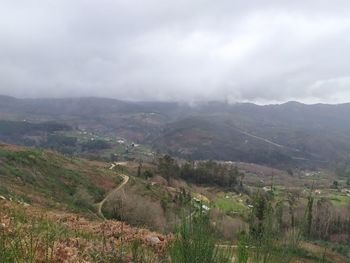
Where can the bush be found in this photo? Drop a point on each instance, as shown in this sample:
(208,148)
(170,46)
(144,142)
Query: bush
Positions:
(136,210)
(226,227)
(194,243)
(242,249)
(83,198)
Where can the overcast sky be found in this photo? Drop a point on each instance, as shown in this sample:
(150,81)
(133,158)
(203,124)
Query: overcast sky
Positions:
(235,50)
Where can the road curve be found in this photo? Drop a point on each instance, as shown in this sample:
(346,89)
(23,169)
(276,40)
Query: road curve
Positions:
(111,193)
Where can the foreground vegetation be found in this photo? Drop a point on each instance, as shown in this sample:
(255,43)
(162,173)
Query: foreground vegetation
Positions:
(200,212)
(31,235)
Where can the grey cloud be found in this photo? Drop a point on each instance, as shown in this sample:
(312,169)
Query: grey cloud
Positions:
(183,50)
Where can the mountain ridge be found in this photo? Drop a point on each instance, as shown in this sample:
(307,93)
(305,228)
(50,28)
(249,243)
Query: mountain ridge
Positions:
(211,130)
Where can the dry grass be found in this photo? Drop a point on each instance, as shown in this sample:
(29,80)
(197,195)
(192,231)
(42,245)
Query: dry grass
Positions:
(72,238)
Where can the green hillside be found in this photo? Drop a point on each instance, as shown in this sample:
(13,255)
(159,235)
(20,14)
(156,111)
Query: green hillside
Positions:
(51,179)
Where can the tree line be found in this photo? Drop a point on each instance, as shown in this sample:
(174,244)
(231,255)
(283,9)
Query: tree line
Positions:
(204,172)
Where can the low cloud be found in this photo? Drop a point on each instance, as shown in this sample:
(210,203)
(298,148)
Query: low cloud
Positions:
(260,51)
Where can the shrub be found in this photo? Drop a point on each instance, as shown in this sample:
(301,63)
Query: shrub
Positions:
(83,198)
(136,210)
(242,249)
(194,243)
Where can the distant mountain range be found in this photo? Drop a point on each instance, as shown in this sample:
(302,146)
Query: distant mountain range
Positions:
(290,133)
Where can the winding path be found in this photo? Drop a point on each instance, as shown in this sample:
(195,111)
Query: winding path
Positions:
(111,193)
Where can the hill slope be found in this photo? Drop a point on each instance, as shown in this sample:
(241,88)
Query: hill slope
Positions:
(51,179)
(290,133)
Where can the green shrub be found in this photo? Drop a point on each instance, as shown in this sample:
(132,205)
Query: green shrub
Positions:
(82,198)
(242,249)
(194,243)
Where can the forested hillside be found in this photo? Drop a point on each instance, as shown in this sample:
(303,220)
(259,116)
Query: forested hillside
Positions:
(286,134)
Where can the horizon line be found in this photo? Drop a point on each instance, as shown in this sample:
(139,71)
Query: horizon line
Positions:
(188,102)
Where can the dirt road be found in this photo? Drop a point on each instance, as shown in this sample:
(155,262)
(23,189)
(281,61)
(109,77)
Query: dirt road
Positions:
(111,193)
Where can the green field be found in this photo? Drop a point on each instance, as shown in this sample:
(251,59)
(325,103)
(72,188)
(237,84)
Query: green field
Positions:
(231,204)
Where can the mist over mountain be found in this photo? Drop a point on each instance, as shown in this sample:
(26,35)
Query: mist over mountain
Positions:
(281,134)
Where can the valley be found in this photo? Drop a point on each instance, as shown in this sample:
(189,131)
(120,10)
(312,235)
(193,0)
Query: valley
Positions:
(311,135)
(121,180)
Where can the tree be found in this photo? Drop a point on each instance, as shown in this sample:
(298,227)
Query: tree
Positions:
(147,174)
(262,229)
(211,173)
(168,167)
(258,215)
(233,175)
(309,215)
(139,168)
(292,202)
(324,215)
(279,215)
(335,184)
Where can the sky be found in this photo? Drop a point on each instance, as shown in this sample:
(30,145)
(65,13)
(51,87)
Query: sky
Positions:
(262,51)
